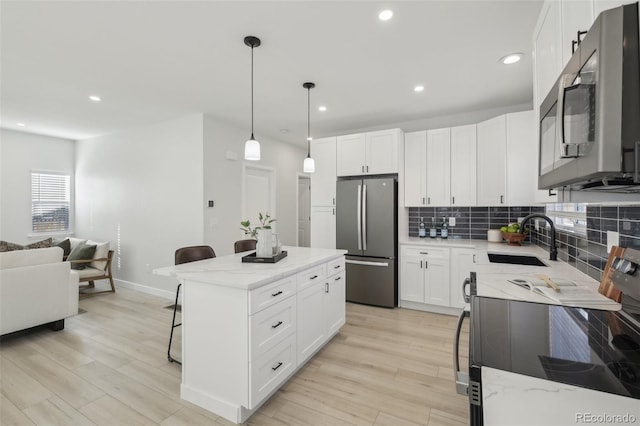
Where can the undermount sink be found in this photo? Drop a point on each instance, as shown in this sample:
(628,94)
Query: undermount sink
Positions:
(515,259)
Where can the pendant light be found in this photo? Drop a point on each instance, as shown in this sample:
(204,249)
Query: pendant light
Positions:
(252,146)
(309,165)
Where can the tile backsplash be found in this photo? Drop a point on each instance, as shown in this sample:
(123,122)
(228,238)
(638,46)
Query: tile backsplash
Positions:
(585,253)
(471,222)
(589,253)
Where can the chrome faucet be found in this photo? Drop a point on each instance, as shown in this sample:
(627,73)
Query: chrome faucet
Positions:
(553,249)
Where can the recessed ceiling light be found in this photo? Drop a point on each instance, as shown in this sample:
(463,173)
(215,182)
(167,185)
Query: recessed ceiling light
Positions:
(385,15)
(20,124)
(95,98)
(322,108)
(511,58)
(418,88)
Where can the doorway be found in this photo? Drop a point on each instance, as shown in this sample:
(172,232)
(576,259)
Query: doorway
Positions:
(258,193)
(304,211)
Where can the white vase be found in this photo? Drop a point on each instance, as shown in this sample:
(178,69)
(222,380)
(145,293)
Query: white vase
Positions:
(264,244)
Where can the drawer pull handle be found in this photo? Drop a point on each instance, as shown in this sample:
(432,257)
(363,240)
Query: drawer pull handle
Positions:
(276,294)
(313,277)
(337,266)
(424,252)
(277,325)
(277,366)
(337,279)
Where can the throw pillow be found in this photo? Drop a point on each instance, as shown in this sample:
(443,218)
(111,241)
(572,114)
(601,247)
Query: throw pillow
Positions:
(66,246)
(81,252)
(40,244)
(7,246)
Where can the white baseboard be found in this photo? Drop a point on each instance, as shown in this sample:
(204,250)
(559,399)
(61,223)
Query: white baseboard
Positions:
(165,294)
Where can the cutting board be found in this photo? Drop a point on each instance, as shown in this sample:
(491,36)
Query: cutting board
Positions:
(606,286)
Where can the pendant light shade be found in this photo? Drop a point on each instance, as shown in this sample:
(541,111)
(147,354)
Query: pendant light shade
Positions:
(252,146)
(309,165)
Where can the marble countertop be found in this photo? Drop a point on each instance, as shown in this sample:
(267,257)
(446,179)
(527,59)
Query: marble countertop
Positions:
(229,271)
(493,278)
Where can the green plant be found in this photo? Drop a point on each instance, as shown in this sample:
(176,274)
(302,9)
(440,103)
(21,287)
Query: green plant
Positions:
(265,223)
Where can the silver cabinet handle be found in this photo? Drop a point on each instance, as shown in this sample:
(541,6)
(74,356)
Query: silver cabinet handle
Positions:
(461,378)
(367,169)
(424,201)
(428,200)
(362,169)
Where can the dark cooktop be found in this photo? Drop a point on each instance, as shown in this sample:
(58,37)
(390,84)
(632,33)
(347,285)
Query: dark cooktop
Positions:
(583,347)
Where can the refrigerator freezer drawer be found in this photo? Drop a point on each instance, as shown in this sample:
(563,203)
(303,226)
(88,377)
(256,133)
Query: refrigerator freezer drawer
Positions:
(372,281)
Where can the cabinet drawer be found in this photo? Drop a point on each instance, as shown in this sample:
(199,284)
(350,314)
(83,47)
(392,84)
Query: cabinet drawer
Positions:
(272,325)
(335,266)
(270,294)
(431,252)
(311,276)
(271,369)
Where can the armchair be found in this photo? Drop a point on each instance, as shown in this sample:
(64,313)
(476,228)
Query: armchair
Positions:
(90,273)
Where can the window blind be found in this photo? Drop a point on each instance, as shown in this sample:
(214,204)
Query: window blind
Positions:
(50,202)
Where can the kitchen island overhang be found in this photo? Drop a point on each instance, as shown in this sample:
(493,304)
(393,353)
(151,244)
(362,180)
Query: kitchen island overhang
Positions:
(248,327)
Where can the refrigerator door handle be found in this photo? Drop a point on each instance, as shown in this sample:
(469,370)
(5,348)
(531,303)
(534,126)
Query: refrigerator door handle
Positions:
(364,217)
(366,263)
(359,213)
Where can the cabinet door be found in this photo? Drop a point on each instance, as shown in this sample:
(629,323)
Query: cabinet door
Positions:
(491,164)
(411,275)
(335,302)
(436,281)
(382,152)
(323,181)
(415,169)
(312,327)
(522,167)
(462,262)
(601,5)
(576,16)
(438,167)
(463,165)
(351,154)
(547,55)
(323,227)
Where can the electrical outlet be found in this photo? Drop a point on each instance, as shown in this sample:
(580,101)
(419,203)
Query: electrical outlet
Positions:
(452,221)
(613,239)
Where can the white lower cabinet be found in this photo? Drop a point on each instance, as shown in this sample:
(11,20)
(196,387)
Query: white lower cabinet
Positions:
(431,277)
(323,227)
(424,275)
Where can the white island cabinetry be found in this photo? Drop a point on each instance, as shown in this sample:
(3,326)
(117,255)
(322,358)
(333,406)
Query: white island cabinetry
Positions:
(248,327)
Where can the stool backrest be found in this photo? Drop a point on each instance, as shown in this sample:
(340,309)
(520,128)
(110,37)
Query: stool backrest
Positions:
(244,245)
(193,253)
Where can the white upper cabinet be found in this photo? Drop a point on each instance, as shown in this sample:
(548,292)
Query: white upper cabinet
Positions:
(491,162)
(547,51)
(351,155)
(323,181)
(370,153)
(415,169)
(602,5)
(576,16)
(438,167)
(522,158)
(382,151)
(463,165)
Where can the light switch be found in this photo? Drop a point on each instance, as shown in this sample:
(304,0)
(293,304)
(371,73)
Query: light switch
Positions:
(613,239)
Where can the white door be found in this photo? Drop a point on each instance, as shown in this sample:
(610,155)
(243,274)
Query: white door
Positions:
(259,193)
(351,155)
(323,181)
(436,281)
(382,152)
(323,227)
(411,275)
(492,162)
(463,165)
(438,167)
(304,212)
(415,169)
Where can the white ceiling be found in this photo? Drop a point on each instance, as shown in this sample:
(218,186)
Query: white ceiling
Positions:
(157,60)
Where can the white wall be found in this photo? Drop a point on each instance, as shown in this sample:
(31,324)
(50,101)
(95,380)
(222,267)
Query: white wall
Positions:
(141,190)
(223,184)
(20,154)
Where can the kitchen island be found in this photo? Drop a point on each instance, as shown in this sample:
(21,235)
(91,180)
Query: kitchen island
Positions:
(247,327)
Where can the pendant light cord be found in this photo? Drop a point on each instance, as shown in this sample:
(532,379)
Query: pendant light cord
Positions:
(252,137)
(309,122)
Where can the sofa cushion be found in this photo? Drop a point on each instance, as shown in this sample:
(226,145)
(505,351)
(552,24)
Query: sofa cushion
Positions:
(21,258)
(75,242)
(90,272)
(8,246)
(81,252)
(40,244)
(102,251)
(65,245)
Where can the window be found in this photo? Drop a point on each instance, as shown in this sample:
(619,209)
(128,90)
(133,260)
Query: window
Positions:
(570,217)
(50,202)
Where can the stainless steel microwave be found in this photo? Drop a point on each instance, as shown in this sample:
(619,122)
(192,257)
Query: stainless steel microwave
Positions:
(590,121)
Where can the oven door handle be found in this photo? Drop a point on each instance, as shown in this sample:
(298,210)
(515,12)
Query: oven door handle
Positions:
(461,378)
(465,283)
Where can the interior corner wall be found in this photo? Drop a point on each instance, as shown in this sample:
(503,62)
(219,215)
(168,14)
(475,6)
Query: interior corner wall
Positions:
(20,154)
(141,190)
(223,184)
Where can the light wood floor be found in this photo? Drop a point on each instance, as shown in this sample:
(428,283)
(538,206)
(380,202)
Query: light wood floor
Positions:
(109,367)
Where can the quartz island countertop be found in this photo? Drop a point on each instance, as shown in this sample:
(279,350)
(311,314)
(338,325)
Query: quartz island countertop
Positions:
(230,271)
(493,278)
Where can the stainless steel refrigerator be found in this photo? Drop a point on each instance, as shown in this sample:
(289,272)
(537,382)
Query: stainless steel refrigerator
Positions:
(366,226)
